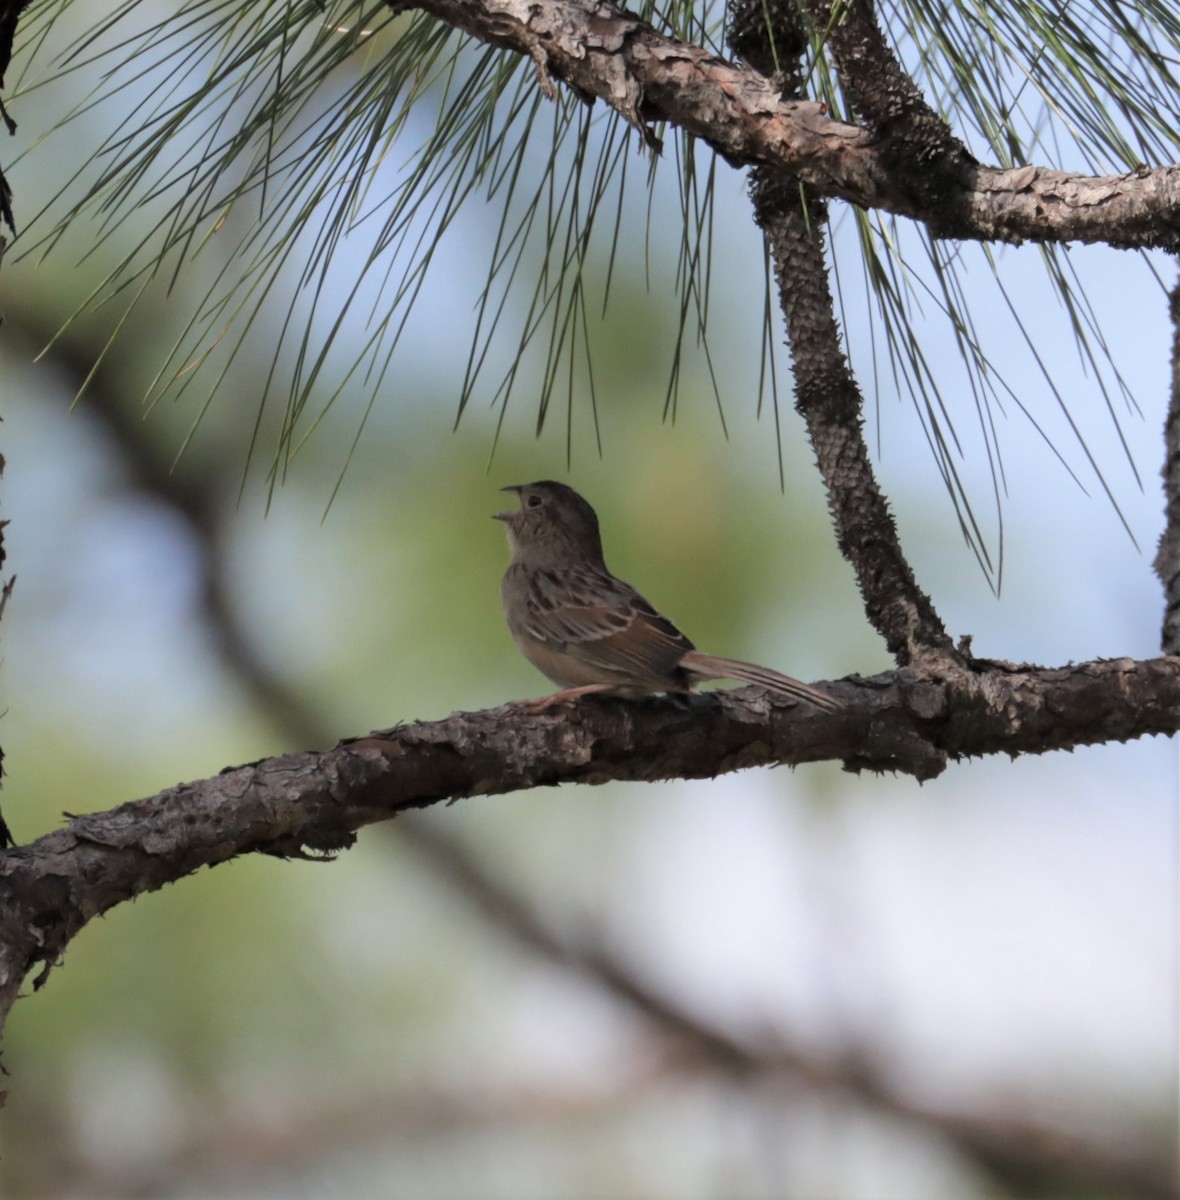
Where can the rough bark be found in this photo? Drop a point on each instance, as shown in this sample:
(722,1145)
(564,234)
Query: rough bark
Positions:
(1167,561)
(604,53)
(792,218)
(828,399)
(922,152)
(313,803)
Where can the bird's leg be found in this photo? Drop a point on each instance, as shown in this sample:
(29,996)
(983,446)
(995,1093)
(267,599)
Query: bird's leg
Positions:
(544,702)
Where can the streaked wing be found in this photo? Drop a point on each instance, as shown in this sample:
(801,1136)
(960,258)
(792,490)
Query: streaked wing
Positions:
(604,622)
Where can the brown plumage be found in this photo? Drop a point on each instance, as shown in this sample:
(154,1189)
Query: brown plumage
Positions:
(590,632)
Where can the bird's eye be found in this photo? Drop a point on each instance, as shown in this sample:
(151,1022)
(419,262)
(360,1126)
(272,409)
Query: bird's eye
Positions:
(533,501)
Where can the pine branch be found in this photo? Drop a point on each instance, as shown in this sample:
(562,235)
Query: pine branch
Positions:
(917,141)
(312,803)
(792,220)
(828,399)
(604,53)
(1167,560)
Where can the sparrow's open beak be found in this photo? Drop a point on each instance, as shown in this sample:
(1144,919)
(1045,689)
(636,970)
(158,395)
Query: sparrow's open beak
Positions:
(507,516)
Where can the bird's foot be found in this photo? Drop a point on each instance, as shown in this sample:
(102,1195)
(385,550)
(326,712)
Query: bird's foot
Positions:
(542,703)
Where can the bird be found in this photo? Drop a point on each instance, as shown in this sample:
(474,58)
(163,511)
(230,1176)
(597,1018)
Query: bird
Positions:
(588,631)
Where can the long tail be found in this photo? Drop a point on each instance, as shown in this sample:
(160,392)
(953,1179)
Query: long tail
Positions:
(706,666)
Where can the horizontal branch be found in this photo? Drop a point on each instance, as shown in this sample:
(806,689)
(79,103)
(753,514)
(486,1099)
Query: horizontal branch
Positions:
(315,801)
(605,53)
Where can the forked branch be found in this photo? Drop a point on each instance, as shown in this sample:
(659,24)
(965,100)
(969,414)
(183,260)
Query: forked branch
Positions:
(605,53)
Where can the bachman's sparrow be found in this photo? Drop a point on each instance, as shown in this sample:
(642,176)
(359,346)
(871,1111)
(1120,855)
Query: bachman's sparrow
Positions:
(590,632)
